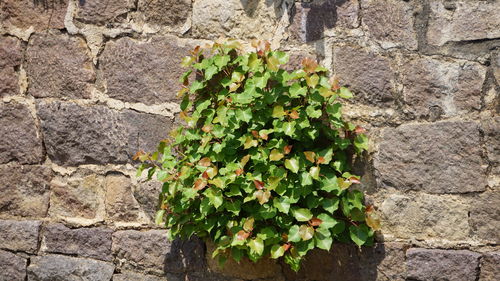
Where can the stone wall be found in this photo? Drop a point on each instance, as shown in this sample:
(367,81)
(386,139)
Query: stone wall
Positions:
(84,84)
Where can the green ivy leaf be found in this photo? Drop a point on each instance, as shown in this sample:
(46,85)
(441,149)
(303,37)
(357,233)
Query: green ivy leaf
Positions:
(277,251)
(293,234)
(359,234)
(292,165)
(302,214)
(282,204)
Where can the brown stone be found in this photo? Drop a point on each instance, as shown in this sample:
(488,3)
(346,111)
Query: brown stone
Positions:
(425,216)
(56,267)
(38,15)
(13,267)
(134,276)
(452,265)
(367,74)
(142,250)
(120,202)
(146,72)
(491,129)
(21,140)
(484,216)
(462,21)
(390,22)
(171,13)
(296,58)
(84,242)
(433,88)
(77,134)
(19,235)
(77,197)
(103,12)
(25,190)
(443,157)
(58,65)
(495,62)
(490,269)
(311,20)
(10,60)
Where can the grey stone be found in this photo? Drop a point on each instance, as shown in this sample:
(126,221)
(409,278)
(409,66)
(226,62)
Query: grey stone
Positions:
(77,134)
(443,157)
(462,21)
(146,72)
(21,140)
(36,15)
(490,269)
(92,242)
(495,62)
(172,13)
(451,265)
(25,190)
(59,65)
(311,20)
(484,216)
(425,216)
(64,268)
(367,74)
(448,87)
(19,235)
(134,276)
(146,194)
(120,202)
(390,22)
(10,60)
(186,256)
(13,267)
(141,250)
(103,12)
(491,129)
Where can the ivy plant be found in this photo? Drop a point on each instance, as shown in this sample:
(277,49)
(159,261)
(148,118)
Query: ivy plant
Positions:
(262,165)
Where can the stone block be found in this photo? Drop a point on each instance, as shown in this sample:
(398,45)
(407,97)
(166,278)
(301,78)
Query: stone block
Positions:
(76,134)
(10,60)
(25,190)
(452,265)
(425,216)
(134,276)
(369,75)
(56,267)
(310,20)
(490,269)
(103,12)
(13,267)
(141,250)
(145,72)
(390,23)
(435,88)
(442,157)
(33,15)
(146,194)
(186,256)
(59,65)
(21,140)
(92,242)
(484,217)
(170,13)
(120,202)
(19,235)
(454,21)
(491,129)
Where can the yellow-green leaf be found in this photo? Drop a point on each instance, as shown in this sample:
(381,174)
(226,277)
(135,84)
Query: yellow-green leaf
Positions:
(276,155)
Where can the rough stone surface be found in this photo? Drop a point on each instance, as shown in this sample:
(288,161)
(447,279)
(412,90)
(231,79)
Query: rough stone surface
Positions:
(452,21)
(25,190)
(425,216)
(34,15)
(77,134)
(485,216)
(146,72)
(21,140)
(80,196)
(390,22)
(133,276)
(311,20)
(186,256)
(13,267)
(59,66)
(146,194)
(491,128)
(495,61)
(409,159)
(10,60)
(120,202)
(234,18)
(348,263)
(490,269)
(433,88)
(172,13)
(452,265)
(368,75)
(19,235)
(85,242)
(142,250)
(56,267)
(103,12)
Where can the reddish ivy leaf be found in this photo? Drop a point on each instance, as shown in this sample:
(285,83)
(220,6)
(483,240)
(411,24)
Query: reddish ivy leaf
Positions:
(200,184)
(205,162)
(242,235)
(315,222)
(258,184)
(288,149)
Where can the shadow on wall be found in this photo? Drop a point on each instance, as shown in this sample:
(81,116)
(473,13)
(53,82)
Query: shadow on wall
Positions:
(251,6)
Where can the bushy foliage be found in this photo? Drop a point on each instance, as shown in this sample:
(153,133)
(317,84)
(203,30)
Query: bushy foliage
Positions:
(262,166)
